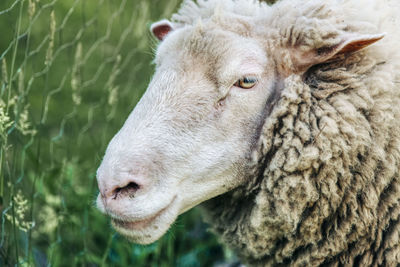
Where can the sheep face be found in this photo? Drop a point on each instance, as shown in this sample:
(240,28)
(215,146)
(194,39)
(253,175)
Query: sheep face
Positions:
(190,137)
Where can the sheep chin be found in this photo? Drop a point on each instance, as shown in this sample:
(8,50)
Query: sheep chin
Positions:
(150,229)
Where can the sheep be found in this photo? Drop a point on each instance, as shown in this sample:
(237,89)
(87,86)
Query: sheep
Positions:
(282,120)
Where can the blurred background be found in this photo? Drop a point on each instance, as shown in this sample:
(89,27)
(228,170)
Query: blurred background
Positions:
(70,73)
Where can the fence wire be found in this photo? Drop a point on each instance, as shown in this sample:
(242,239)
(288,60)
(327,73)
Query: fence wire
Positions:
(71,71)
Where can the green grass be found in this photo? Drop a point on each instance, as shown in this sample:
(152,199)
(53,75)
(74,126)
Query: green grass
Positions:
(71,72)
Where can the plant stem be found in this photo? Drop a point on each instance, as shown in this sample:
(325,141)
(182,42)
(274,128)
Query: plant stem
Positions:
(104,259)
(14,55)
(14,227)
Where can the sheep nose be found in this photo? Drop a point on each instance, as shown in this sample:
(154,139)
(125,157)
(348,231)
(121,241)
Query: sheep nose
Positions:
(125,186)
(127,190)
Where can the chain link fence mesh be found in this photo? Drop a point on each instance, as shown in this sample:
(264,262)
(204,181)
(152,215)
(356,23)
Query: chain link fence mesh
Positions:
(71,71)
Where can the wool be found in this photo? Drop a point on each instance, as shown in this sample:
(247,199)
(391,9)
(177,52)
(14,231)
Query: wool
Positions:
(324,184)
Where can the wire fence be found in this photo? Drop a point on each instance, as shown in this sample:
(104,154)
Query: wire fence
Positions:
(71,71)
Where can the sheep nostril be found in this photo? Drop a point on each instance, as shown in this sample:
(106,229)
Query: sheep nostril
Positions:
(128,190)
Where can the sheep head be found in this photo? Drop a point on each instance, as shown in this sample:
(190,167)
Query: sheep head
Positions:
(195,133)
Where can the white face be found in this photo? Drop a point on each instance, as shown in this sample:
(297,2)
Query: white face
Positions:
(191,135)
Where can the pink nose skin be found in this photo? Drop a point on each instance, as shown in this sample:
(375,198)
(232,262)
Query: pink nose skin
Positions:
(124,187)
(127,190)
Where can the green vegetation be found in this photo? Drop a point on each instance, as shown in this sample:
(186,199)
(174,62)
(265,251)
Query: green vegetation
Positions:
(71,72)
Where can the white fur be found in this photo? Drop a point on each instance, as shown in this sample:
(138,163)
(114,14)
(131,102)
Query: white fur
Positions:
(190,136)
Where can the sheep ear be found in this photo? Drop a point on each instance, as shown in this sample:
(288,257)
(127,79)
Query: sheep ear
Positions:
(303,60)
(161,28)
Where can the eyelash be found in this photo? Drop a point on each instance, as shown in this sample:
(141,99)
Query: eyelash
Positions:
(246,82)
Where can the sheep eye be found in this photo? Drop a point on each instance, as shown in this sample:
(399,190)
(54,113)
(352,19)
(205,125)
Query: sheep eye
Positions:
(246,82)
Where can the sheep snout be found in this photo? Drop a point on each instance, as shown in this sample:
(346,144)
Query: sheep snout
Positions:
(121,186)
(128,190)
(116,193)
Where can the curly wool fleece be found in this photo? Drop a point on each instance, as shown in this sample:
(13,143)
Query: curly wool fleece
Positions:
(325,189)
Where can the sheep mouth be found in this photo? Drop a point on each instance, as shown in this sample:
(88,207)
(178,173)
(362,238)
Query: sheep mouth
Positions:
(137,224)
(149,229)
